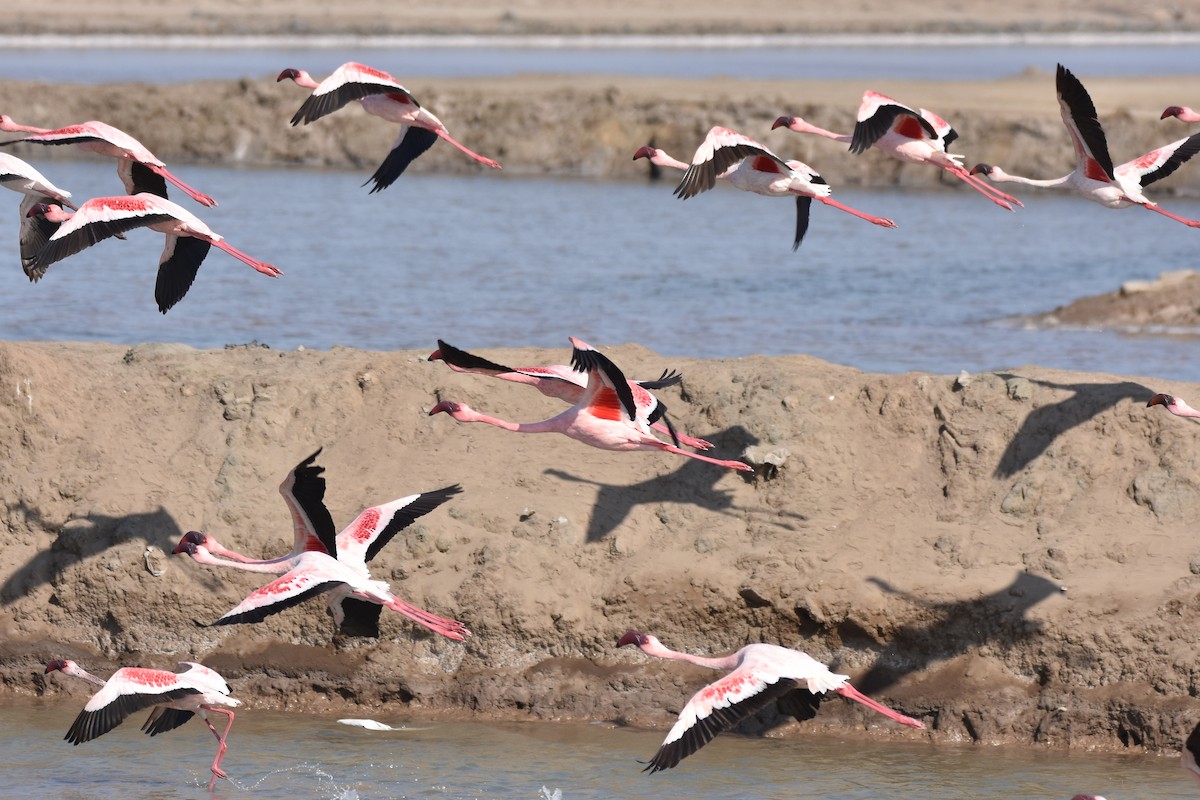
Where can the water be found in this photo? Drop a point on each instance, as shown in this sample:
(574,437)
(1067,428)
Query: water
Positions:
(295,757)
(179,59)
(493,261)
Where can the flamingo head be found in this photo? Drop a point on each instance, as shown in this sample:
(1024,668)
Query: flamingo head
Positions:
(1162,399)
(446,406)
(190,541)
(645,152)
(62,664)
(39,210)
(1169,111)
(986,169)
(291,73)
(436,355)
(633,637)
(783,122)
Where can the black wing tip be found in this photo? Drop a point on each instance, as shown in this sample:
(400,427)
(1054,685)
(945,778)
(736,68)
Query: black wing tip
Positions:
(464,360)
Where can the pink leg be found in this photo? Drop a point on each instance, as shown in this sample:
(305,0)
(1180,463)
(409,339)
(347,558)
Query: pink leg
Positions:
(670,448)
(684,439)
(854,694)
(451,629)
(1191,223)
(471,153)
(998,197)
(884,221)
(221,746)
(254,263)
(199,197)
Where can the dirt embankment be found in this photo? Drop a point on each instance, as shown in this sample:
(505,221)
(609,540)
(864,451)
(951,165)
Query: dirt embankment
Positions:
(1009,557)
(591,126)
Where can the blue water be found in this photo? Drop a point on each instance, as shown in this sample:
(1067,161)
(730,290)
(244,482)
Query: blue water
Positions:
(495,260)
(276,756)
(786,58)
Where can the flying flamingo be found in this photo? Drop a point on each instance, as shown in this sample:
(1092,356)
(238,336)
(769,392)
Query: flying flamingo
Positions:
(751,167)
(174,696)
(1176,405)
(139,169)
(1181,113)
(313,530)
(21,177)
(557,380)
(915,137)
(758,674)
(188,238)
(339,574)
(612,414)
(382,95)
(1094,176)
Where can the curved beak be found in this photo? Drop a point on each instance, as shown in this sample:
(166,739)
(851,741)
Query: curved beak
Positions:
(1160,399)
(632,637)
(986,169)
(782,122)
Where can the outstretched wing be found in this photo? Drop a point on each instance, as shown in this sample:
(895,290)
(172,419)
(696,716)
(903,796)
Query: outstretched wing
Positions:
(878,114)
(289,589)
(374,527)
(720,150)
(413,141)
(1079,115)
(303,490)
(163,719)
(1159,163)
(607,385)
(180,261)
(350,81)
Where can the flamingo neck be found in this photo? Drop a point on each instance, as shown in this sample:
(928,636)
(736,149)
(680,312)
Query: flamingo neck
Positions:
(467,414)
(276,566)
(800,126)
(1000,176)
(7,124)
(654,647)
(664,159)
(79,672)
(305,80)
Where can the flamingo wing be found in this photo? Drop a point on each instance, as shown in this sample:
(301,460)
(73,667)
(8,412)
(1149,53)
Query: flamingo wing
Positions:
(289,589)
(128,691)
(720,150)
(717,708)
(668,378)
(607,385)
(138,178)
(376,526)
(303,490)
(163,719)
(96,220)
(177,267)
(803,210)
(469,361)
(413,142)
(943,131)
(349,82)
(879,114)
(35,233)
(1158,164)
(1083,123)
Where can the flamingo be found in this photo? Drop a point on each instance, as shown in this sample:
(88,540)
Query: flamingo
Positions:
(915,137)
(612,413)
(22,177)
(1181,113)
(751,167)
(313,530)
(188,238)
(138,168)
(557,380)
(758,674)
(174,696)
(382,95)
(1094,176)
(340,573)
(1176,405)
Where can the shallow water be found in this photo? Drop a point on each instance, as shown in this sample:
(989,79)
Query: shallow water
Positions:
(181,59)
(283,756)
(494,261)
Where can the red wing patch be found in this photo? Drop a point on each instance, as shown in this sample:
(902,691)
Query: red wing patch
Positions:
(766,164)
(399,98)
(286,585)
(313,545)
(909,127)
(606,405)
(149,677)
(123,203)
(365,529)
(1146,162)
(1093,170)
(374,73)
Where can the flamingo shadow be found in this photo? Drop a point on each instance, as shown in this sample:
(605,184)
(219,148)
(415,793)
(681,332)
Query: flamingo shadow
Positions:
(694,483)
(953,628)
(76,542)
(1047,423)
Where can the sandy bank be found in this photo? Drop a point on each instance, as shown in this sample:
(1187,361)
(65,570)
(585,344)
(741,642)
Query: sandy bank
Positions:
(1009,558)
